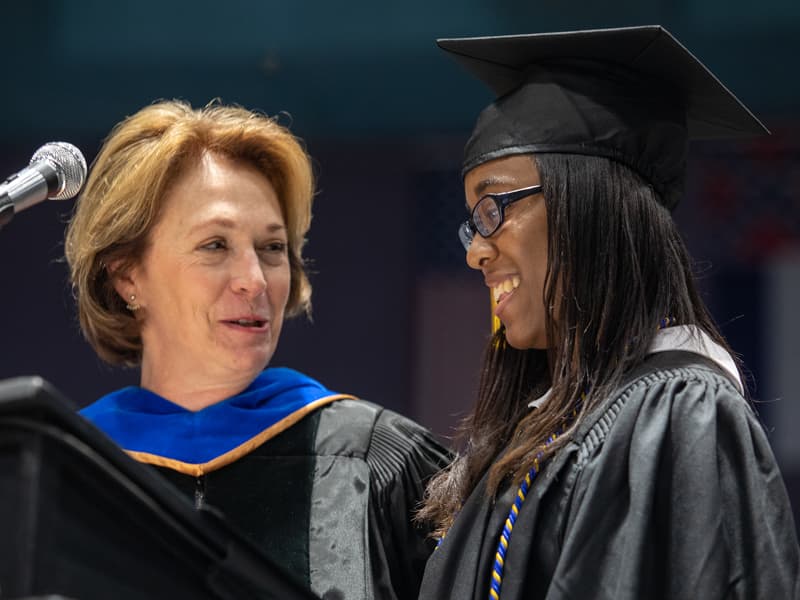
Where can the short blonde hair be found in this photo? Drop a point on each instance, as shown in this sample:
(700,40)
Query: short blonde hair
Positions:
(123,198)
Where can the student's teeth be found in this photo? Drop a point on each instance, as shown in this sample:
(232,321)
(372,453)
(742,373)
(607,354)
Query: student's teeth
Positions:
(509,285)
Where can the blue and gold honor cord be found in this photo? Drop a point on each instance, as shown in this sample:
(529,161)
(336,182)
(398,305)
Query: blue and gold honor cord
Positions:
(505,536)
(508,527)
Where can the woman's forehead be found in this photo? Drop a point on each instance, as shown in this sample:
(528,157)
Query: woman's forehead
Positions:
(517,170)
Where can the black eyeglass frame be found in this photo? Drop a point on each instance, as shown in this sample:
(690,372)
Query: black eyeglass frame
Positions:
(468,229)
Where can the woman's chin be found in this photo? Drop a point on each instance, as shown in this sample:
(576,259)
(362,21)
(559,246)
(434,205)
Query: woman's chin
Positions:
(252,362)
(525,340)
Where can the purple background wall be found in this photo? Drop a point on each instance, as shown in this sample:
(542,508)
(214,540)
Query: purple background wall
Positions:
(398,317)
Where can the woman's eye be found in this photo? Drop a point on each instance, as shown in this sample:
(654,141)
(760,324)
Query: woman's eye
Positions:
(275,248)
(214,245)
(274,253)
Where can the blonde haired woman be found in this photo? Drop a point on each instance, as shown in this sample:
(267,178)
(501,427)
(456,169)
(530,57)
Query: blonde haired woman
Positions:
(186,257)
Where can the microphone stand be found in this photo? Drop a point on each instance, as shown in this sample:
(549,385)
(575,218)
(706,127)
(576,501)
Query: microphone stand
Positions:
(30,187)
(56,172)
(6,211)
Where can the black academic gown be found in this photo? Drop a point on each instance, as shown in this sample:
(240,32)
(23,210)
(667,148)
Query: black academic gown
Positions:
(331,499)
(668,490)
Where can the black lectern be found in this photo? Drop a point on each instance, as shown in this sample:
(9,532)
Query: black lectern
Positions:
(81,519)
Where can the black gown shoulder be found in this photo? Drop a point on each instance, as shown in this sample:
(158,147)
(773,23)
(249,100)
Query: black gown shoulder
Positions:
(668,490)
(332,498)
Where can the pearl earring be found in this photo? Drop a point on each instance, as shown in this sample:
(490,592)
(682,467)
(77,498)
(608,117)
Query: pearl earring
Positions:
(133,306)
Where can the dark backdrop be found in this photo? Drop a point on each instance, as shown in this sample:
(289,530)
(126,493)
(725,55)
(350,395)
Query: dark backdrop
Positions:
(397,316)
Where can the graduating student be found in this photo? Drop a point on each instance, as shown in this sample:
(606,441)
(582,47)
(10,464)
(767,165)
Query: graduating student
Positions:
(612,452)
(186,257)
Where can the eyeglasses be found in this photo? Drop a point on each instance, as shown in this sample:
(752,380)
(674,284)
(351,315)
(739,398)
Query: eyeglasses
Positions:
(489,212)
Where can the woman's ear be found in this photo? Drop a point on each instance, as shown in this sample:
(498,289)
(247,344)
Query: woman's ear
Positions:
(123,279)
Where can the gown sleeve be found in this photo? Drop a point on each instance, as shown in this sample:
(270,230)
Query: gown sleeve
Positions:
(683,499)
(402,457)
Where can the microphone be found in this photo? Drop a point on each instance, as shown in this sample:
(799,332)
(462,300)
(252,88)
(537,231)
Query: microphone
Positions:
(57,171)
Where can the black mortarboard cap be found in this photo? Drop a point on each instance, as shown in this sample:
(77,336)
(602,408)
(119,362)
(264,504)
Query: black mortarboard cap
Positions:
(633,94)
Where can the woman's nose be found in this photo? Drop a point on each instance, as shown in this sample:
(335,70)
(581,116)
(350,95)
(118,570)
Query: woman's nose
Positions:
(480,251)
(248,275)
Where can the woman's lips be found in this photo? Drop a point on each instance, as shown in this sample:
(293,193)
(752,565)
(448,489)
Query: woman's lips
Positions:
(502,293)
(505,287)
(248,324)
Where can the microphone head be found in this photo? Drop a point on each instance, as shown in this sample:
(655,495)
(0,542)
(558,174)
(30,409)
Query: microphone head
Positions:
(69,165)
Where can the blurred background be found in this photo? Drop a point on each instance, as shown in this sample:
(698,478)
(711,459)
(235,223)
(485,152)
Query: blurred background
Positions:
(398,317)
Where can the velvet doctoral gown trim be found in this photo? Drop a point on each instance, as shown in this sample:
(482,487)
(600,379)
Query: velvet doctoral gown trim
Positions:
(156,431)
